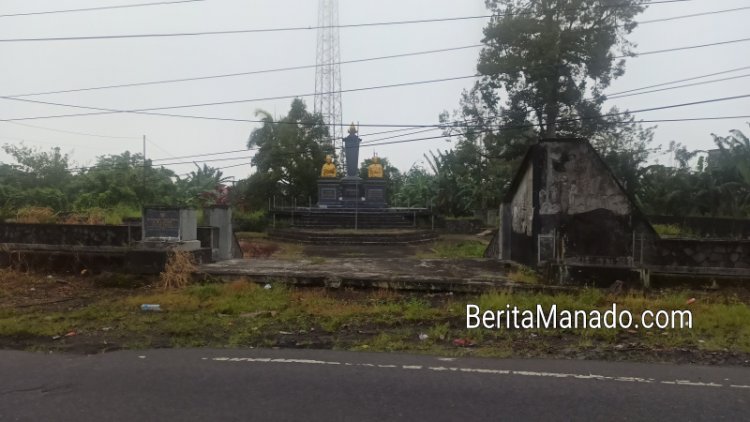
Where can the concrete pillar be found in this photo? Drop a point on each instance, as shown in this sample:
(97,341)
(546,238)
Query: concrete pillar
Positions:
(221,217)
(188,224)
(500,228)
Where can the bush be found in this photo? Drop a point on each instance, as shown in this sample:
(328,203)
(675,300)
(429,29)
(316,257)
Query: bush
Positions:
(36,215)
(673,230)
(250,222)
(178,271)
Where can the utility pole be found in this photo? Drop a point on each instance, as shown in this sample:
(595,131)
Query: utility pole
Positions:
(144,171)
(328,76)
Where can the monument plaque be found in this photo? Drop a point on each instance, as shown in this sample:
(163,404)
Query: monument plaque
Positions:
(161,223)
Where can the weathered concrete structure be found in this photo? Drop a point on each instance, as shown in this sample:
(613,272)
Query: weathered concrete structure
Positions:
(567,212)
(127,248)
(565,203)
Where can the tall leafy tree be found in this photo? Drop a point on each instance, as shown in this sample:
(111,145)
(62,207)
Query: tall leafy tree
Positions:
(416,189)
(554,58)
(124,180)
(289,155)
(201,187)
(545,66)
(38,178)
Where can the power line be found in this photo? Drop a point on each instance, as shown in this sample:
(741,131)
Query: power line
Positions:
(254,72)
(285,29)
(693,15)
(505,127)
(284,69)
(203,154)
(681,80)
(70,131)
(149,111)
(451,135)
(91,9)
(529,125)
(442,126)
(690,47)
(369,141)
(614,97)
(162,164)
(160,148)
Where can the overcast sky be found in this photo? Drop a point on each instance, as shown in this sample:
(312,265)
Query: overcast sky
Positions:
(30,67)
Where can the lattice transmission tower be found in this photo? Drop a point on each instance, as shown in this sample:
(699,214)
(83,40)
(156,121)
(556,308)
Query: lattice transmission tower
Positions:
(328,74)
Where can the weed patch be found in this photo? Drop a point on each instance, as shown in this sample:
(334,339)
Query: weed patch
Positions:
(178,271)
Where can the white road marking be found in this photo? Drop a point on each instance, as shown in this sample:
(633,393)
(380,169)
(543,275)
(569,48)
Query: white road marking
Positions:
(483,371)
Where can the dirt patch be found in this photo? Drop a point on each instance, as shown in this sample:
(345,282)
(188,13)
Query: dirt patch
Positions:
(78,315)
(258,249)
(361,251)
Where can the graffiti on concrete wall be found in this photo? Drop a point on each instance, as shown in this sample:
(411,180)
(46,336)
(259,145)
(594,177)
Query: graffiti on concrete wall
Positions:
(576,182)
(522,205)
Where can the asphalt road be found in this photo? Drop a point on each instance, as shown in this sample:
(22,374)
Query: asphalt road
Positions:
(268,385)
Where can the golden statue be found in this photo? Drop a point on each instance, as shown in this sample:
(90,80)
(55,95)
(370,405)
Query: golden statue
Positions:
(329,169)
(375,170)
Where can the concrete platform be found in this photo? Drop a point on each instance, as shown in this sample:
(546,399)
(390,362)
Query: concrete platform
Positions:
(360,237)
(436,275)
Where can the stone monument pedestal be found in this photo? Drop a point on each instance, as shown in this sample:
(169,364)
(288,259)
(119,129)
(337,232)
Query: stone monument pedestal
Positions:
(374,193)
(328,193)
(351,192)
(170,228)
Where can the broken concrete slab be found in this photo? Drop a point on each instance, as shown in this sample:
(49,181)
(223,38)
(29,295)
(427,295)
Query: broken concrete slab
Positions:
(464,275)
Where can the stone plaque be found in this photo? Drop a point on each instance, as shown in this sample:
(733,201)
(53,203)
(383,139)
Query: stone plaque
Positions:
(328,194)
(350,191)
(161,223)
(375,194)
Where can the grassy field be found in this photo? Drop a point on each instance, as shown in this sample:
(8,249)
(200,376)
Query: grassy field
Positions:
(449,246)
(78,315)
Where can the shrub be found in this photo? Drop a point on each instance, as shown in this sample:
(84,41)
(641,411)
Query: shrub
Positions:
(178,271)
(250,222)
(36,215)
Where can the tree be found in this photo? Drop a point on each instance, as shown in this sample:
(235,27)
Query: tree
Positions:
(123,180)
(554,58)
(545,66)
(39,178)
(204,186)
(625,146)
(49,169)
(289,155)
(417,189)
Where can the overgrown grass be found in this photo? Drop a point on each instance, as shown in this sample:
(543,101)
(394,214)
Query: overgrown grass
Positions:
(455,249)
(524,275)
(673,230)
(243,313)
(93,215)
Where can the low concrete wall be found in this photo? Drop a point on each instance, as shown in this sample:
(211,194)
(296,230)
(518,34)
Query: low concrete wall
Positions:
(87,235)
(462,226)
(69,234)
(708,227)
(702,253)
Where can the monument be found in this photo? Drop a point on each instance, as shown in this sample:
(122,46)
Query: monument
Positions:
(173,228)
(351,197)
(351,191)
